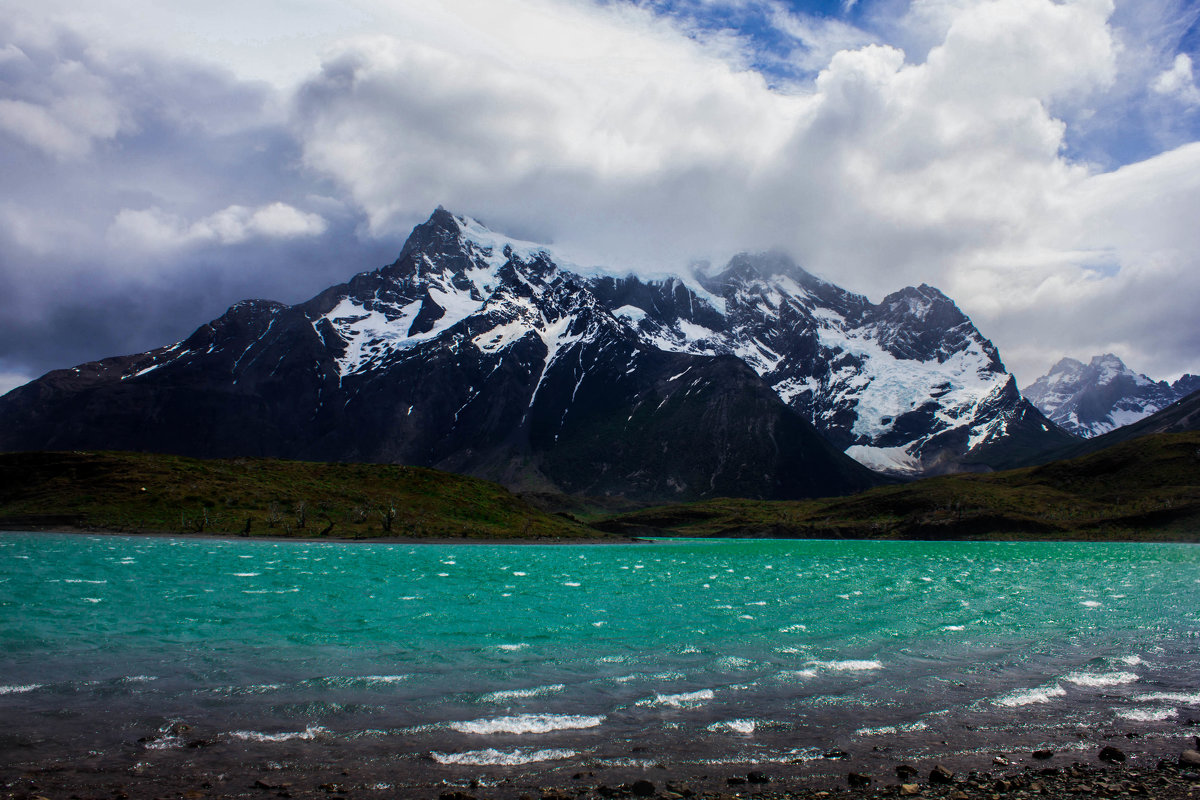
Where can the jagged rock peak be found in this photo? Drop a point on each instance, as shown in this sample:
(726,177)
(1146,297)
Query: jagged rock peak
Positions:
(451,244)
(921,302)
(746,266)
(474,349)
(1097,397)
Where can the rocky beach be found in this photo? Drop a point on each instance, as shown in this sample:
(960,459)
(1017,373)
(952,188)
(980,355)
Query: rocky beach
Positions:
(1145,770)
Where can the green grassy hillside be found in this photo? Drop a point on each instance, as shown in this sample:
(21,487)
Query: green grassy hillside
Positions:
(263,497)
(1145,489)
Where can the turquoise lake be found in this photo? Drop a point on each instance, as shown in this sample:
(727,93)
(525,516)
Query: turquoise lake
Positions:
(731,651)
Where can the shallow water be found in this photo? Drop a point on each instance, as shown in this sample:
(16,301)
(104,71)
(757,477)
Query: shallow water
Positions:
(694,651)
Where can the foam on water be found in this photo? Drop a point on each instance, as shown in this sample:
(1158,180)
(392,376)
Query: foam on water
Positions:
(681,700)
(1187,698)
(527,723)
(167,743)
(846,666)
(309,733)
(1025,697)
(20,689)
(1149,714)
(256,688)
(887,730)
(744,727)
(1099,680)
(505,695)
(509,758)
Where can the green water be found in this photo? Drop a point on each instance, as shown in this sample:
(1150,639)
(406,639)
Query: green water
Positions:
(718,650)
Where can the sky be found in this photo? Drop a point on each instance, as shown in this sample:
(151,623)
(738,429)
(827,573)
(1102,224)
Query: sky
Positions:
(1037,160)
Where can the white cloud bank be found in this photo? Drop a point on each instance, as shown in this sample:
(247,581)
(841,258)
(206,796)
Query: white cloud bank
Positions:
(154,229)
(616,134)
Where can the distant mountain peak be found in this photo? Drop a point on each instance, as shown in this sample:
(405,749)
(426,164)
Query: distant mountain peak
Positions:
(1104,394)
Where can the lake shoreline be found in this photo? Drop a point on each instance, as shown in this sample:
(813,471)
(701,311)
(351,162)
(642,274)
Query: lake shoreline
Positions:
(604,538)
(1152,768)
(402,540)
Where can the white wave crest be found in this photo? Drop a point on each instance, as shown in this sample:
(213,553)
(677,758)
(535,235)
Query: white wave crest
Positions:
(846,666)
(384,679)
(1149,714)
(886,730)
(1026,697)
(527,723)
(681,700)
(1102,679)
(504,695)
(745,727)
(481,758)
(20,689)
(165,743)
(1171,697)
(311,732)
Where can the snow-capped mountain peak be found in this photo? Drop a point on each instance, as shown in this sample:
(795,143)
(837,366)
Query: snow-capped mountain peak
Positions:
(478,352)
(1102,395)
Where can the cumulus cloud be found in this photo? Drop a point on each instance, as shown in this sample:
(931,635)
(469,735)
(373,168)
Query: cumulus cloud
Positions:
(155,229)
(133,227)
(938,144)
(1178,81)
(644,147)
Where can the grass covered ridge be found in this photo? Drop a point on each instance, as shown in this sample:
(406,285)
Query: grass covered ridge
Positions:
(1147,489)
(138,492)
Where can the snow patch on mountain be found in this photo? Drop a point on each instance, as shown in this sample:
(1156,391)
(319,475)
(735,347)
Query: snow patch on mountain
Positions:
(895,460)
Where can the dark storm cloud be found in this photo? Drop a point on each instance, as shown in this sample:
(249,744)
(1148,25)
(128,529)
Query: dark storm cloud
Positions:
(136,136)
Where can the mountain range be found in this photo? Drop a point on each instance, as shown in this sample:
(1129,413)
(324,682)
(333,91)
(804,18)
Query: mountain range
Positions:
(481,354)
(1103,395)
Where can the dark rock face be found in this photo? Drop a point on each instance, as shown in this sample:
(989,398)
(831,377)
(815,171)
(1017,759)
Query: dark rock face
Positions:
(1096,398)
(537,385)
(479,354)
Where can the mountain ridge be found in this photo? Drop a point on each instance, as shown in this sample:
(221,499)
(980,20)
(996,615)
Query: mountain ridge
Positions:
(485,355)
(1103,395)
